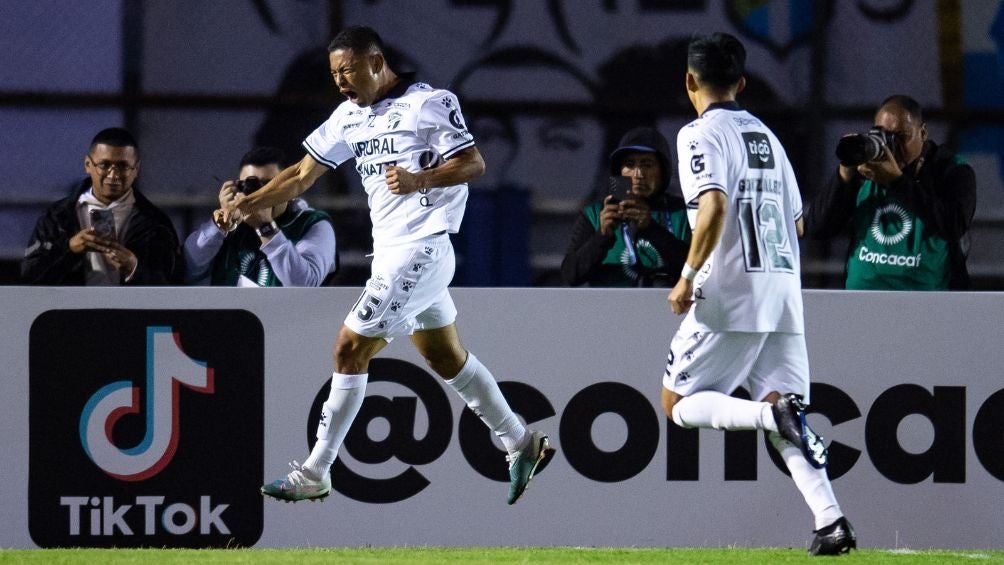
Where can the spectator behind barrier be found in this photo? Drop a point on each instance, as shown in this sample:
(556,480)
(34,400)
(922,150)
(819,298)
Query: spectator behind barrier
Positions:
(637,235)
(289,244)
(907,202)
(105,233)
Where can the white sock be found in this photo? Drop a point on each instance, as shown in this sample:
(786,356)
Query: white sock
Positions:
(813,483)
(476,385)
(337,413)
(711,409)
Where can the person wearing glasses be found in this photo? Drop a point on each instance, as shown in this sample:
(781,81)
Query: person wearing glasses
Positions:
(907,203)
(106,233)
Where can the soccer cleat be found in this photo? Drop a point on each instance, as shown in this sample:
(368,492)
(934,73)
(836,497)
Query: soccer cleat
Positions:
(837,538)
(789,413)
(297,486)
(524,464)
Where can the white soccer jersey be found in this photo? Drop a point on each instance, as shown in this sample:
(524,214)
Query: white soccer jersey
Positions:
(752,280)
(414,127)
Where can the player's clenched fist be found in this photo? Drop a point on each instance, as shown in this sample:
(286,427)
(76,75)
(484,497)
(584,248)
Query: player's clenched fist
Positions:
(681,297)
(400,181)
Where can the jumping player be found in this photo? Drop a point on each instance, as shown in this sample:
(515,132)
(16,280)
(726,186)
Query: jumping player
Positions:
(415,156)
(741,285)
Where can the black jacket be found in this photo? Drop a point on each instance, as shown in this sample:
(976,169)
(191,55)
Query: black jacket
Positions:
(942,194)
(599,259)
(587,257)
(150,235)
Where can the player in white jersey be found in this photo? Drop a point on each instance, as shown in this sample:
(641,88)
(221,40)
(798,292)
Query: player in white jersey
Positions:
(741,285)
(415,156)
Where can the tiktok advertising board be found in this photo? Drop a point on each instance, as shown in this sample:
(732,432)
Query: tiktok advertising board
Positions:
(150,417)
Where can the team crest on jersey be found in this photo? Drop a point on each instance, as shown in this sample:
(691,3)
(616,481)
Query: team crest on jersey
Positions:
(758,150)
(692,144)
(393,119)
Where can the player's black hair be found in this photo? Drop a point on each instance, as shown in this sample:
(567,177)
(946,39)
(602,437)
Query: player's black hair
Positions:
(718,59)
(358,39)
(907,103)
(115,137)
(263,155)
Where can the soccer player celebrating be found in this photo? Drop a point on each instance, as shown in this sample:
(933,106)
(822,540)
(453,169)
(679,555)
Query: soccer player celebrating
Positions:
(415,157)
(741,285)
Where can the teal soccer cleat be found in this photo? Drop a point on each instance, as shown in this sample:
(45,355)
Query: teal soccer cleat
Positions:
(525,464)
(298,486)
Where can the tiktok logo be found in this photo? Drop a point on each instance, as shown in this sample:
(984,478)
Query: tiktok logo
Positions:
(127,409)
(167,367)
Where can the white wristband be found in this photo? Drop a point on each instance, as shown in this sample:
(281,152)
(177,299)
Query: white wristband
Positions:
(688,272)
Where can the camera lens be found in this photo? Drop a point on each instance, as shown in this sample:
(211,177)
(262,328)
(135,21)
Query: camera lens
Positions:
(857,149)
(248,185)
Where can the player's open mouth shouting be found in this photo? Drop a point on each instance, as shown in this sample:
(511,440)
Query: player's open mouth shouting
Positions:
(350,94)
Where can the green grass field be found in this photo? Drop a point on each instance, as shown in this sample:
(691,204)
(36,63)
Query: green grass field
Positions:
(489,556)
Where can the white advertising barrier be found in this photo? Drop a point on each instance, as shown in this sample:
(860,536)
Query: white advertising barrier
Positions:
(907,386)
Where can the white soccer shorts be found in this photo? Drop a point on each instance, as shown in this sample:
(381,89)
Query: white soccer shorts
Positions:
(723,361)
(407,290)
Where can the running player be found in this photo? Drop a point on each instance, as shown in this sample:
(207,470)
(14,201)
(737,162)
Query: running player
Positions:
(414,155)
(741,285)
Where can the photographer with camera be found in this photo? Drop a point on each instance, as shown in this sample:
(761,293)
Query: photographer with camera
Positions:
(287,245)
(907,201)
(105,233)
(638,234)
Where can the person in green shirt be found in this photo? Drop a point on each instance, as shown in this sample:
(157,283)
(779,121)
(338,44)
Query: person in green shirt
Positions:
(290,244)
(638,234)
(908,209)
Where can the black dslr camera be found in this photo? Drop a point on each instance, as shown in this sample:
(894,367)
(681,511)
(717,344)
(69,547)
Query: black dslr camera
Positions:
(248,185)
(861,148)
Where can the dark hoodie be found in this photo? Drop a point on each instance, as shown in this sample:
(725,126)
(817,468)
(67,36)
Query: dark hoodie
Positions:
(652,256)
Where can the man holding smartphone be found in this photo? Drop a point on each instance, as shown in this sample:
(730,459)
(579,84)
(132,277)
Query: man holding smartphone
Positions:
(638,234)
(105,233)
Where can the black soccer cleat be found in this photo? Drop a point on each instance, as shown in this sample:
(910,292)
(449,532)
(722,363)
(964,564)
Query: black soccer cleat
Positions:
(789,413)
(835,539)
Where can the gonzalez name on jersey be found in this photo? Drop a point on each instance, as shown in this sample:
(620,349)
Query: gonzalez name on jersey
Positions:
(414,127)
(752,281)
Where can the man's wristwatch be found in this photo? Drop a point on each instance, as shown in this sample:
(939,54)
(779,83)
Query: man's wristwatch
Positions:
(267,230)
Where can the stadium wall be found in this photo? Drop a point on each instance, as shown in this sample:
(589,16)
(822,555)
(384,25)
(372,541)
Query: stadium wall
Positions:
(139,417)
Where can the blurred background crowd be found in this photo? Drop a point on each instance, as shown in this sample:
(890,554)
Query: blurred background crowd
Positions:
(547,87)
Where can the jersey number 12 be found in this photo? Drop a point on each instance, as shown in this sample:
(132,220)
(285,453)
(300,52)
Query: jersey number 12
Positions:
(764,236)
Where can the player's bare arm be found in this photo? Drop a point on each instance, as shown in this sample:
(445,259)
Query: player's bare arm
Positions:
(711,212)
(465,165)
(288,184)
